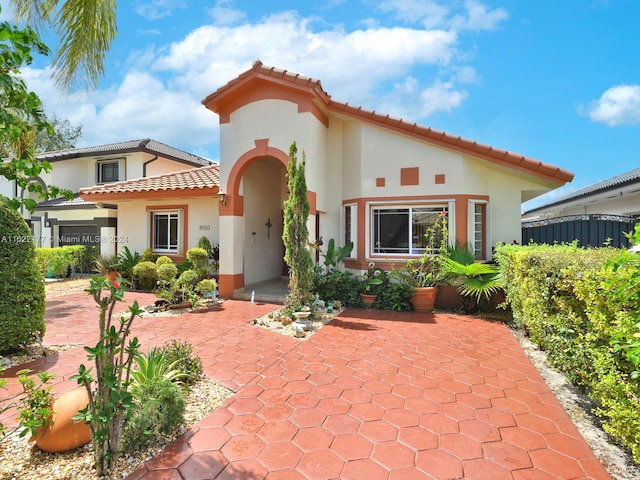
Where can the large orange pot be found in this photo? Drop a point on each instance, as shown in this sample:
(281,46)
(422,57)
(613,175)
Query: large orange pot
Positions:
(368,299)
(424,299)
(65,434)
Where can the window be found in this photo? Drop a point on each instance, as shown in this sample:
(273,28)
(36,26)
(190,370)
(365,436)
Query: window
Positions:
(479,229)
(165,232)
(347,225)
(401,231)
(108,171)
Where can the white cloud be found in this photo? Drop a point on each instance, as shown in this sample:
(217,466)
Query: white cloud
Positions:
(223,14)
(410,100)
(620,105)
(478,17)
(155,9)
(159,96)
(470,15)
(350,64)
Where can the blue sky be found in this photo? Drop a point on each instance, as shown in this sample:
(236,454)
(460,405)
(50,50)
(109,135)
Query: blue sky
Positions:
(558,81)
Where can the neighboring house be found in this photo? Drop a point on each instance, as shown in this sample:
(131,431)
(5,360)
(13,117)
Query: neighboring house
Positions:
(594,215)
(372,179)
(167,213)
(59,221)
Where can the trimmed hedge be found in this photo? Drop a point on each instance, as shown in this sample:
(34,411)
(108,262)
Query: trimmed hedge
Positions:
(582,306)
(22,293)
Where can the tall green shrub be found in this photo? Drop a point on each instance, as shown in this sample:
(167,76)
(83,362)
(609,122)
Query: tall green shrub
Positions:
(296,235)
(21,284)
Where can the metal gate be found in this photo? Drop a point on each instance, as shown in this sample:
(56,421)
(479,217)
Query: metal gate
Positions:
(594,230)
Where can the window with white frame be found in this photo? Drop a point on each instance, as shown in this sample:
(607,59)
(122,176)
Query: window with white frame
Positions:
(401,230)
(166,231)
(108,171)
(479,221)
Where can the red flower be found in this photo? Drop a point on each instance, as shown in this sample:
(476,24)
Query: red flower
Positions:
(116,284)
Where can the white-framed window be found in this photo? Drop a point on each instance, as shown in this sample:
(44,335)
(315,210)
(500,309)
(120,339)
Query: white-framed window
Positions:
(108,171)
(400,230)
(165,231)
(478,228)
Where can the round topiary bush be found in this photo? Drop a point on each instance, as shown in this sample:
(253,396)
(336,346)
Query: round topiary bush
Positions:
(163,260)
(21,283)
(145,274)
(167,272)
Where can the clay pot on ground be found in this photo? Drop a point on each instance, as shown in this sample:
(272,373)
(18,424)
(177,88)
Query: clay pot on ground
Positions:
(65,434)
(368,299)
(424,299)
(448,298)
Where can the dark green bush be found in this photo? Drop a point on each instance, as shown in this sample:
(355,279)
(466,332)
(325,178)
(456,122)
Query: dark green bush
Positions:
(181,353)
(336,285)
(158,408)
(21,283)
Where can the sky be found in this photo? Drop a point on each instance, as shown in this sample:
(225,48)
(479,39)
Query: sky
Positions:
(558,81)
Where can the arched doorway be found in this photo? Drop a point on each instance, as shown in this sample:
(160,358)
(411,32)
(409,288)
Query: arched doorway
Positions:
(264,188)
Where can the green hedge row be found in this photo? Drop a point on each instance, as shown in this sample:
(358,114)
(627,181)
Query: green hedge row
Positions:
(582,306)
(59,261)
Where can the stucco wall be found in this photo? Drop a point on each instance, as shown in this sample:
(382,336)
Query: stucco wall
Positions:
(134,221)
(262,246)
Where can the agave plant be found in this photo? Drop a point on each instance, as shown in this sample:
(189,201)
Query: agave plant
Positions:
(155,364)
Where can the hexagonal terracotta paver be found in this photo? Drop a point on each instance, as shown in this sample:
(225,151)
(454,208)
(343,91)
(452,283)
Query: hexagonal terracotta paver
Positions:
(203,465)
(352,447)
(321,465)
(307,417)
(439,464)
(243,447)
(364,468)
(341,424)
(393,455)
(279,456)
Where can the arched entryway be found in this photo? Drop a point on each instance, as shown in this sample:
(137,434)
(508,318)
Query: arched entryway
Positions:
(264,188)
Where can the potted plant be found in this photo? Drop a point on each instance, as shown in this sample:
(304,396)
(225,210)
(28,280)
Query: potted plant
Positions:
(477,281)
(370,281)
(425,274)
(106,266)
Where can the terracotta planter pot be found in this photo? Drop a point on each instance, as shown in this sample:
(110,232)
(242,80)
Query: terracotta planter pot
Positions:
(448,298)
(65,434)
(367,299)
(424,299)
(112,276)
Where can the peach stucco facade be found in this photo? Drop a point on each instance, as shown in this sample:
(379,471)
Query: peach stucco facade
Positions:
(356,162)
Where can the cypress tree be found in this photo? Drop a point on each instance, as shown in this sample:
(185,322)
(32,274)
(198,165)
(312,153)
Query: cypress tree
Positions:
(296,235)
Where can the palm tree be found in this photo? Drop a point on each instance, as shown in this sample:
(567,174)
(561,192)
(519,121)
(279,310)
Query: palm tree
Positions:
(86,30)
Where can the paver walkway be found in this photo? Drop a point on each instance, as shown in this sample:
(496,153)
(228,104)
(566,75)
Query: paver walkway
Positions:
(373,395)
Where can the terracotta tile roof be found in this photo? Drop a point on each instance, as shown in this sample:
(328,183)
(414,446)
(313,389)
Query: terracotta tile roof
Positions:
(193,182)
(146,145)
(313,88)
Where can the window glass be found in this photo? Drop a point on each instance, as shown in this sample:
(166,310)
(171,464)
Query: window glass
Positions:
(165,232)
(108,172)
(401,231)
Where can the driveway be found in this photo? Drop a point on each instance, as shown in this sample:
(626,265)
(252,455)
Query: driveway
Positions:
(372,395)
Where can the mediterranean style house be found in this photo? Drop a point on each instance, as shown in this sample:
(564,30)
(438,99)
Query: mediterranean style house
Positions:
(58,222)
(373,180)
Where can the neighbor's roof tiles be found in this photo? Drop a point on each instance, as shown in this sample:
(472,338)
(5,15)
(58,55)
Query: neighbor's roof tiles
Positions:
(195,179)
(145,145)
(314,88)
(609,184)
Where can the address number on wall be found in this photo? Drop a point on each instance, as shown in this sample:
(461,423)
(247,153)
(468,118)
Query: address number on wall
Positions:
(205,227)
